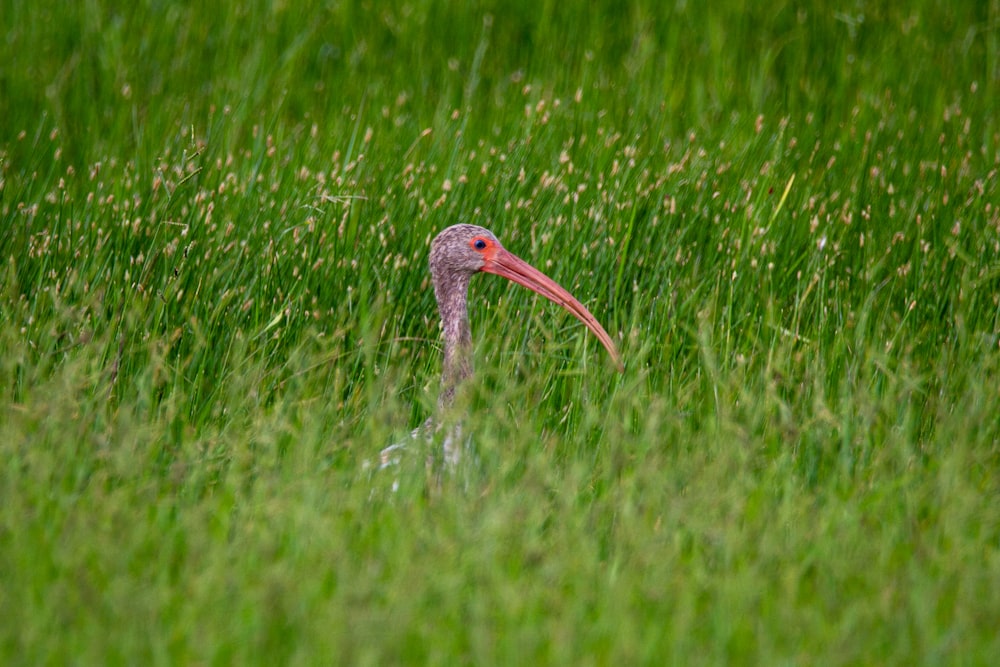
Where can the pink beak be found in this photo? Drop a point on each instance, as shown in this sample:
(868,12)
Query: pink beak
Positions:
(510,266)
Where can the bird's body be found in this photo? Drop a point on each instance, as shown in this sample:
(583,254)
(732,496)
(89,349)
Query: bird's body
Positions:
(458,253)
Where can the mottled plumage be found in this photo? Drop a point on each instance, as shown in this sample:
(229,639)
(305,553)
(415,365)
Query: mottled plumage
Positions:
(457,253)
(462,250)
(453,262)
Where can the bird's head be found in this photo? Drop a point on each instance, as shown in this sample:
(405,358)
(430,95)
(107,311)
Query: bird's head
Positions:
(462,250)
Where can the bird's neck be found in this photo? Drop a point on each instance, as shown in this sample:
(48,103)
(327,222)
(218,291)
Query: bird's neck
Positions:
(452,298)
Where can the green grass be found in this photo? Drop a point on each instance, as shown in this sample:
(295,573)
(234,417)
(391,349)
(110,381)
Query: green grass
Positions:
(215,311)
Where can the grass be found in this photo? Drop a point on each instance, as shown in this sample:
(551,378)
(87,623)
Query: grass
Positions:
(215,311)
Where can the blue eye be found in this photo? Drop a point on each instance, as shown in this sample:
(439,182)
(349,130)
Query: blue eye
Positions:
(479,244)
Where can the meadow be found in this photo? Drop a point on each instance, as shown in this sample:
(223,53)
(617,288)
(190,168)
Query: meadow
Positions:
(215,311)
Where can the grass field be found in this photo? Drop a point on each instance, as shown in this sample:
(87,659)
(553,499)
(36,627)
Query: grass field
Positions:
(215,311)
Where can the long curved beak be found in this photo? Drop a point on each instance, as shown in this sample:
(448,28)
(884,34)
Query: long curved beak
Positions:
(510,266)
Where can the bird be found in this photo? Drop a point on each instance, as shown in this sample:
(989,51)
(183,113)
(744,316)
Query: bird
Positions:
(457,253)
